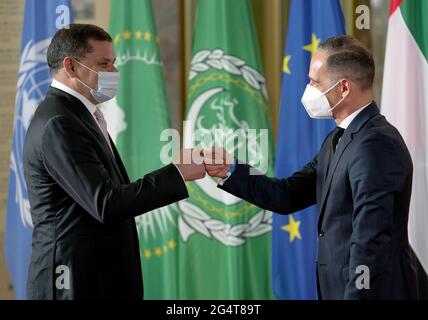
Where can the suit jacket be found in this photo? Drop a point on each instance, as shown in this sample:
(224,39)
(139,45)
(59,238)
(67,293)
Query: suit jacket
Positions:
(84,242)
(362,191)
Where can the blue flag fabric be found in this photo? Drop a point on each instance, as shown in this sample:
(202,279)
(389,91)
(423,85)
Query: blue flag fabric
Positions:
(294,237)
(41,20)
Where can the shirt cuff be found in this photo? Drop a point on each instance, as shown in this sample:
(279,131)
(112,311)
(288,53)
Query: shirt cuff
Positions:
(229,173)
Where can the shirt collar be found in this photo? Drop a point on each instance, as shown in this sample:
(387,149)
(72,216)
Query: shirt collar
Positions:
(88,104)
(347,121)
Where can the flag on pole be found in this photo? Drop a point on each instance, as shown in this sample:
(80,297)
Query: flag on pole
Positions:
(41,20)
(405,105)
(294,237)
(224,251)
(136,118)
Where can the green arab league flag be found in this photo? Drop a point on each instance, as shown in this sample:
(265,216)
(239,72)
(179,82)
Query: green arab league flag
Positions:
(136,118)
(225,248)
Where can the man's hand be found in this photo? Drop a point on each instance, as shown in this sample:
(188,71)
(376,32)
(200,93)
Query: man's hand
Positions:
(190,163)
(217,161)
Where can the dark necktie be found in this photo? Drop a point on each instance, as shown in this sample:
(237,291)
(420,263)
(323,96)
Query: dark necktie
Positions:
(337,133)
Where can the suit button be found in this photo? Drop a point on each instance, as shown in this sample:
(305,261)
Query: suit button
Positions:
(321,234)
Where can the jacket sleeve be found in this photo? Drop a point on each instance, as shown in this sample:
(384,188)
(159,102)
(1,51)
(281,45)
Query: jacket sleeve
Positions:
(376,174)
(283,196)
(70,158)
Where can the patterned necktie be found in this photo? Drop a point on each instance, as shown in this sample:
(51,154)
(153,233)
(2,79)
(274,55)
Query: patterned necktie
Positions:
(103,125)
(337,133)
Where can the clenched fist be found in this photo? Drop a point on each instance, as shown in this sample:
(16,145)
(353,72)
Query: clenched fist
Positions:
(190,163)
(217,161)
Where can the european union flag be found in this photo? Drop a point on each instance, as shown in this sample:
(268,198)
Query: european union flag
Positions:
(294,237)
(41,20)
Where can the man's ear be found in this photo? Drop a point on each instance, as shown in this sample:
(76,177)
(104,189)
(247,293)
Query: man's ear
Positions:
(345,86)
(69,67)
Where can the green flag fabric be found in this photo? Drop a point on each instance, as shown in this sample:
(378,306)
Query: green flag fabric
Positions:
(136,118)
(225,242)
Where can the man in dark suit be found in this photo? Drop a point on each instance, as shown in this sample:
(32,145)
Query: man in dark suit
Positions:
(84,243)
(361,181)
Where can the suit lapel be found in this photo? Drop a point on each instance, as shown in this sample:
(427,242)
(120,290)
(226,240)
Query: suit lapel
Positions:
(327,158)
(79,109)
(91,123)
(119,163)
(334,160)
(335,157)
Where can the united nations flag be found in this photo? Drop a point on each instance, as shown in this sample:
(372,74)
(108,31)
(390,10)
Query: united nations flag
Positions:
(41,20)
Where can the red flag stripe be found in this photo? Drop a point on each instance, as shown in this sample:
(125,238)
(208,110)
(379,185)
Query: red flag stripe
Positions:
(394,5)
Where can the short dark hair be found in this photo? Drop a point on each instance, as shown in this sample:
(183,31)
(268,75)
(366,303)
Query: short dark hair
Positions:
(72,41)
(348,57)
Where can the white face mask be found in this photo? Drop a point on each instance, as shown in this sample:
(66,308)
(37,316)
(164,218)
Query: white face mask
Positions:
(108,83)
(316,103)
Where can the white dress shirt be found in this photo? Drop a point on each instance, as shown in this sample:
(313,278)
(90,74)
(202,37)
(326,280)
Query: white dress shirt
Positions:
(347,121)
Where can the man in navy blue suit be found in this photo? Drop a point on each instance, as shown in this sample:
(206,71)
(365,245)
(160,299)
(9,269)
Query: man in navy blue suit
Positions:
(361,181)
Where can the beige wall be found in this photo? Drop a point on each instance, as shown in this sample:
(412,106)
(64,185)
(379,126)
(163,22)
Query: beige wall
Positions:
(101,13)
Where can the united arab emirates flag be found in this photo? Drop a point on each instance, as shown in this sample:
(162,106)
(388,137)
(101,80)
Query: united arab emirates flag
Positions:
(405,105)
